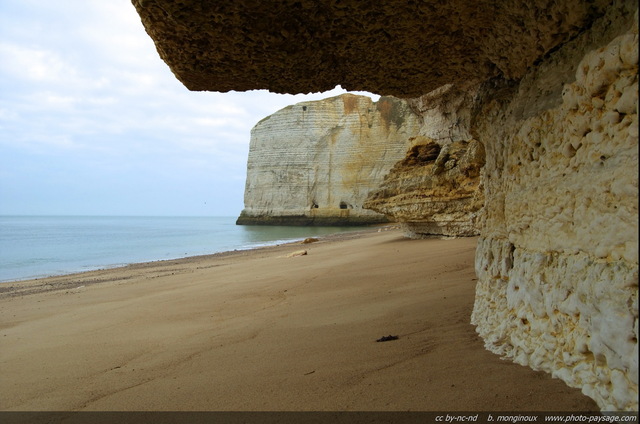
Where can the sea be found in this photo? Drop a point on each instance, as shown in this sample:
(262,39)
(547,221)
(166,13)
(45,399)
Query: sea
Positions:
(41,246)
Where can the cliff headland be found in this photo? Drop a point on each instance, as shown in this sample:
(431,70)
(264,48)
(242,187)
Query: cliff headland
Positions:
(314,163)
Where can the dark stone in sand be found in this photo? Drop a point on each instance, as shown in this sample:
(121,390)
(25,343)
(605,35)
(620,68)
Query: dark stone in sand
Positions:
(387,338)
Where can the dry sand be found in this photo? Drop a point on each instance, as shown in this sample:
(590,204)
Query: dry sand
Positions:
(258,330)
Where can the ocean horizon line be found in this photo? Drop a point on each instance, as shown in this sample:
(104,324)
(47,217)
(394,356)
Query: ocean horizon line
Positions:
(36,246)
(114,216)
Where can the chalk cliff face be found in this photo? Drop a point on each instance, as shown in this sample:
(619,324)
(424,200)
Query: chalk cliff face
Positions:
(557,261)
(548,88)
(434,190)
(314,163)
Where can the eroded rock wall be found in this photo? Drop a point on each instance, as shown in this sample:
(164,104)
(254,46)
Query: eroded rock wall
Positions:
(314,163)
(558,258)
(436,189)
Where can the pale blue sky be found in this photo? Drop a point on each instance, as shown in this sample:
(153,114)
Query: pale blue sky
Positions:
(92,122)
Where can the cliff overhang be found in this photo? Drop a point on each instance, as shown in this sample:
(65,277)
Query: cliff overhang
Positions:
(398,48)
(435,190)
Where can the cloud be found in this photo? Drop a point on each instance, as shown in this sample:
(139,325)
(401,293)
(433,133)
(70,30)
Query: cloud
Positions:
(83,87)
(32,64)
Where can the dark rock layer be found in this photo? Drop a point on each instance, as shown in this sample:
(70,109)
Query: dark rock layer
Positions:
(401,48)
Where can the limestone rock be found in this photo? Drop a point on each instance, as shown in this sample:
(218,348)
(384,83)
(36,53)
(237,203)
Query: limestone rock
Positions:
(557,262)
(392,47)
(314,163)
(434,189)
(446,112)
(297,253)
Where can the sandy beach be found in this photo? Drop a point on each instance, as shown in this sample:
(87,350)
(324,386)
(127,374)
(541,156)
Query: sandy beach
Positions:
(263,330)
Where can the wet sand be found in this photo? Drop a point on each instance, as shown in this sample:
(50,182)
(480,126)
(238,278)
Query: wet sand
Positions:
(262,331)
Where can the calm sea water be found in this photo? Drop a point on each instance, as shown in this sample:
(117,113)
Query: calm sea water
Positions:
(39,246)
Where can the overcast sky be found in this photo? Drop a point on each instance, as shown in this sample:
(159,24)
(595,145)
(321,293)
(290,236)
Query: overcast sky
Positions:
(92,121)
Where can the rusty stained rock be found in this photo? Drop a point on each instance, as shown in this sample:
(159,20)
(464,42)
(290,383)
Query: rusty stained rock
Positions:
(402,48)
(313,163)
(435,190)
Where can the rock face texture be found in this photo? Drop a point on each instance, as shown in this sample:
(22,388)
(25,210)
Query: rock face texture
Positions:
(391,47)
(548,88)
(314,163)
(434,190)
(557,261)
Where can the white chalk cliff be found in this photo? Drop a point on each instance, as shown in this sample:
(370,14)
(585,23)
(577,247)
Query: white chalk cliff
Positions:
(557,261)
(314,163)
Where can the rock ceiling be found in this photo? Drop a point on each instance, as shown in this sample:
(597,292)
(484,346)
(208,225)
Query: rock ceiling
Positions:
(403,48)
